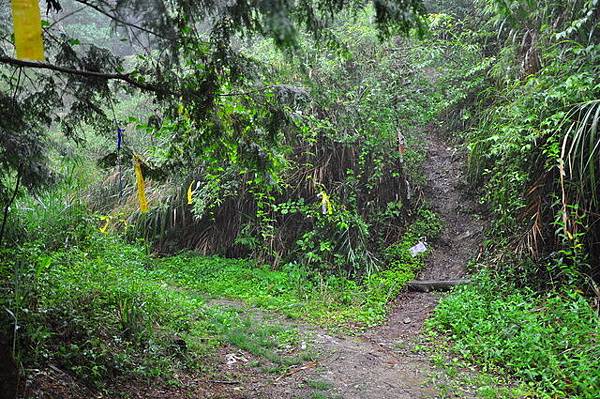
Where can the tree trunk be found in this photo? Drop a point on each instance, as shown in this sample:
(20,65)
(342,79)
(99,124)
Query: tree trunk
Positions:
(9,373)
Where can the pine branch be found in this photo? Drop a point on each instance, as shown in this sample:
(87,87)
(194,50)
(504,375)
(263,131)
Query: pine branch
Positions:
(125,77)
(119,20)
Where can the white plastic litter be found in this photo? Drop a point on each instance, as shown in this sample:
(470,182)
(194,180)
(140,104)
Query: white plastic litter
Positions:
(232,358)
(418,248)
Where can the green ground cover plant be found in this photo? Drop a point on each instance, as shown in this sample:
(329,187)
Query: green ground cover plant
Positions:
(100,307)
(548,341)
(102,310)
(299,293)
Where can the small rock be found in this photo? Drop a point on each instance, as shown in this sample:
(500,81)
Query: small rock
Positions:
(464,235)
(407,320)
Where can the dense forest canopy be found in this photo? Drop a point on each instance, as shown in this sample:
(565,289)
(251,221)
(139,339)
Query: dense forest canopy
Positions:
(174,170)
(185,55)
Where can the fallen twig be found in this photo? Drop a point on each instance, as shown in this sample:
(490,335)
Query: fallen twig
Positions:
(296,370)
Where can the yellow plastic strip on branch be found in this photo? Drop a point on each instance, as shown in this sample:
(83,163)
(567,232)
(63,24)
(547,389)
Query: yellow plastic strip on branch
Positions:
(189,194)
(326,206)
(27,23)
(141,187)
(104,229)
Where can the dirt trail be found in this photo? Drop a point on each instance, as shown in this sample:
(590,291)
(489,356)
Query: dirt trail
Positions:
(446,190)
(379,364)
(459,242)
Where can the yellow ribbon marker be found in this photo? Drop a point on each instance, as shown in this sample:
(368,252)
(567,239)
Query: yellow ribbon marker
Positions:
(104,229)
(189,194)
(27,24)
(326,206)
(141,187)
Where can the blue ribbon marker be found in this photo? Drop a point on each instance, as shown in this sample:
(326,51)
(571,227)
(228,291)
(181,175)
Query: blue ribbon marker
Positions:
(119,138)
(119,142)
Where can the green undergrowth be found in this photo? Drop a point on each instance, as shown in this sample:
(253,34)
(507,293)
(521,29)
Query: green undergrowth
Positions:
(331,301)
(101,307)
(101,310)
(548,342)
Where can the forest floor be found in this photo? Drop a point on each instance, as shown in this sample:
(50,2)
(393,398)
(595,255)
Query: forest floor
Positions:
(387,361)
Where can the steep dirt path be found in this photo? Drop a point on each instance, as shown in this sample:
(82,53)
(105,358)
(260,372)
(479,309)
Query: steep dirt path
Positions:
(459,242)
(380,363)
(446,190)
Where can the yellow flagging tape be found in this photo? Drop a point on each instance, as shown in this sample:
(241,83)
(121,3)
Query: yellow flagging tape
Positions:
(326,206)
(189,194)
(104,229)
(27,23)
(141,187)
